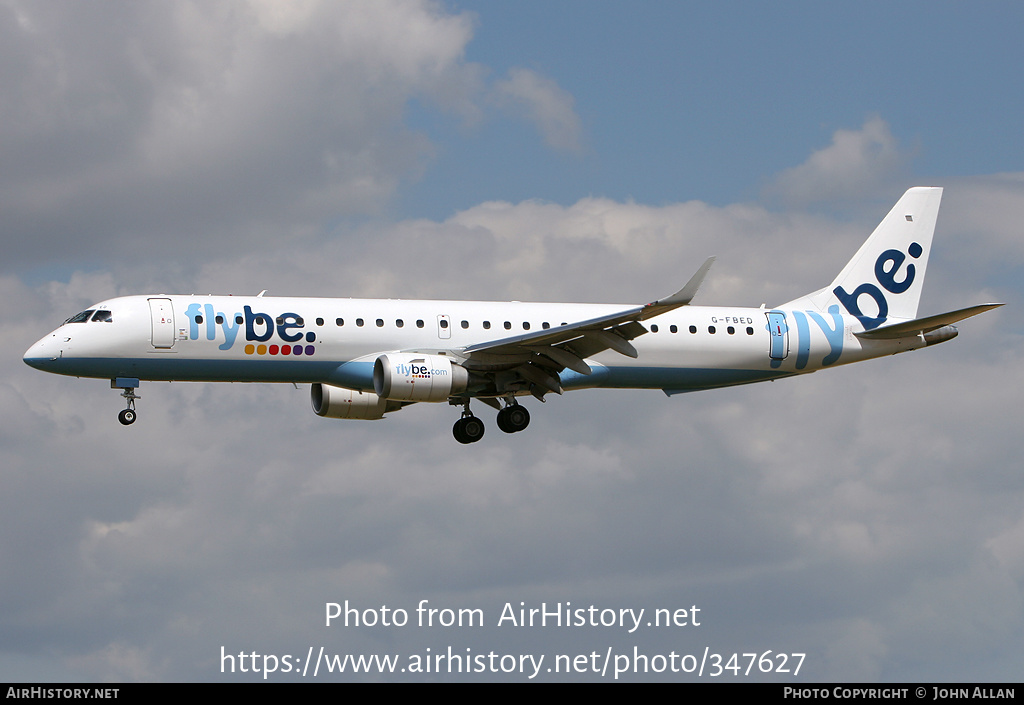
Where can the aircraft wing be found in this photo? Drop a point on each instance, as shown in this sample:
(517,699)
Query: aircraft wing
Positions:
(540,355)
(920,326)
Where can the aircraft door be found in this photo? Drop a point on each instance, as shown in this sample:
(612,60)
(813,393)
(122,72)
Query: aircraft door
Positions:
(780,335)
(444,327)
(162,316)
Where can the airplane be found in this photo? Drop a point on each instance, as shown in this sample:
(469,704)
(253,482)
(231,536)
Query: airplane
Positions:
(365,358)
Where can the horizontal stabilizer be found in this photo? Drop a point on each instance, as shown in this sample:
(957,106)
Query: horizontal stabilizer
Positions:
(919,326)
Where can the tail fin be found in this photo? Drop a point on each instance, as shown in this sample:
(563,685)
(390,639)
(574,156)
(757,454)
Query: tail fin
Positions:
(884,279)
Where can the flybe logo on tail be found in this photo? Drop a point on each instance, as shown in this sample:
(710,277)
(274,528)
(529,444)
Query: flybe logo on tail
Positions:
(890,276)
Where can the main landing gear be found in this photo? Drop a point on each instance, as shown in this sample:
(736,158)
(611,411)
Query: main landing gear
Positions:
(127,387)
(513,418)
(470,429)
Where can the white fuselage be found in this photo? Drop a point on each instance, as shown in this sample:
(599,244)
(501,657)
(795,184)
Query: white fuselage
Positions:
(335,341)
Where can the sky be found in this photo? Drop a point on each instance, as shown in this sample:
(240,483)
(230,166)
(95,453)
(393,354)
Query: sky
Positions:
(869,517)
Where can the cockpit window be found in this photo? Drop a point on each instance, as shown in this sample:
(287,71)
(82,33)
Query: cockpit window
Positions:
(80,317)
(103,316)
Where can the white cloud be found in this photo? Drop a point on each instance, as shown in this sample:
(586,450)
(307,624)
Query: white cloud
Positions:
(225,127)
(544,103)
(858,162)
(984,218)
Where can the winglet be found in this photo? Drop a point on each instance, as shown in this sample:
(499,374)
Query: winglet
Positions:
(683,296)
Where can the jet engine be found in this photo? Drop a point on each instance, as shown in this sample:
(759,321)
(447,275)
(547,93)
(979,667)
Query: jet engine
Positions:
(417,377)
(339,403)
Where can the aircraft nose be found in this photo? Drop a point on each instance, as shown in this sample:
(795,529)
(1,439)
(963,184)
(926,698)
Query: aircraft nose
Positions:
(42,354)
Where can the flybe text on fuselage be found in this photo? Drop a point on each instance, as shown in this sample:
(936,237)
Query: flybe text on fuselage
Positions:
(834,334)
(259,327)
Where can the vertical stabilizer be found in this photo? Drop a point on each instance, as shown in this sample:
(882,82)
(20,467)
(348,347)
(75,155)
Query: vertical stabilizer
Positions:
(884,279)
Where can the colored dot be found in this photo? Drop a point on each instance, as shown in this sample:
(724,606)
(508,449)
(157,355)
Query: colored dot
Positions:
(310,337)
(915,250)
(286,349)
(310,349)
(273,350)
(250,349)
(297,350)
(261,350)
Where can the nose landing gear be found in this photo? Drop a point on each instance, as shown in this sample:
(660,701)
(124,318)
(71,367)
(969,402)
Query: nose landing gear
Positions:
(127,417)
(127,385)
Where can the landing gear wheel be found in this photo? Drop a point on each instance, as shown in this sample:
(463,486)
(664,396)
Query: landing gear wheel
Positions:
(513,418)
(503,422)
(468,429)
(127,416)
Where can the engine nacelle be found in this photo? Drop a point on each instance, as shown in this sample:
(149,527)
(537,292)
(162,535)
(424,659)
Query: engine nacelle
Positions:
(416,377)
(940,335)
(339,403)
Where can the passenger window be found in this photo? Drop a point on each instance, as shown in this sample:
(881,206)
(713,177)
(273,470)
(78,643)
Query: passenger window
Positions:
(693,329)
(487,325)
(444,323)
(399,323)
(380,322)
(219,319)
(673,329)
(465,324)
(239,320)
(750,331)
(199,319)
(545,325)
(339,322)
(526,325)
(359,322)
(419,323)
(508,325)
(711,329)
(731,330)
(319,321)
(654,328)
